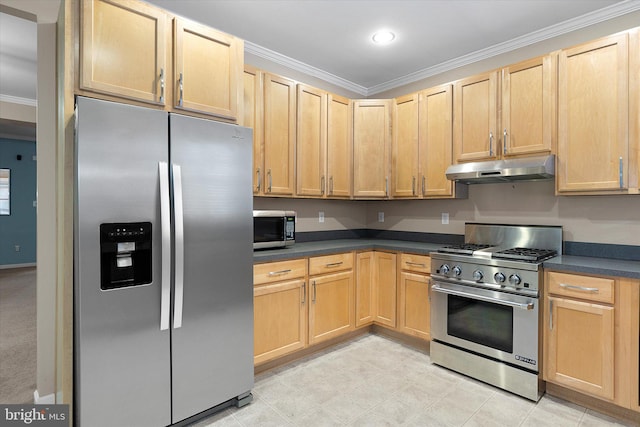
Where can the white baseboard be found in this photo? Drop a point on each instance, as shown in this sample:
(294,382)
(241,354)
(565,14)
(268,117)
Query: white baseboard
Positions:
(7,266)
(49,399)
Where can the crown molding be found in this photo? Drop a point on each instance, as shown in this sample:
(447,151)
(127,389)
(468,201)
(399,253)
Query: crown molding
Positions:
(592,18)
(302,67)
(17,100)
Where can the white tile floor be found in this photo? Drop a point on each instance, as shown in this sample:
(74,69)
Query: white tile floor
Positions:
(373,381)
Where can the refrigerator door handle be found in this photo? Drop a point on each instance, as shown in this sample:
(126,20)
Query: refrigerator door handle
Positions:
(165,227)
(179,246)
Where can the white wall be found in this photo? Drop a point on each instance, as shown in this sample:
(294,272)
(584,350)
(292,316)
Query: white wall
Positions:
(46,221)
(598,219)
(339,214)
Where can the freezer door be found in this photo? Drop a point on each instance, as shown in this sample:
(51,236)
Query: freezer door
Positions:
(212,322)
(121,355)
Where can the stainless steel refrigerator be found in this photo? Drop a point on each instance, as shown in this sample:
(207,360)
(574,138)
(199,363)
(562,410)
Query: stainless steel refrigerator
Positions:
(163,291)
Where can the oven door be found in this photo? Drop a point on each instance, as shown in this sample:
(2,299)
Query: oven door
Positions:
(496,324)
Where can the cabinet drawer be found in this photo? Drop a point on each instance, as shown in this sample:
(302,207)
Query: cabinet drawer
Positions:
(330,263)
(419,263)
(583,287)
(276,271)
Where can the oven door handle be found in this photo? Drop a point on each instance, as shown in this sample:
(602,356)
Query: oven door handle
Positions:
(525,306)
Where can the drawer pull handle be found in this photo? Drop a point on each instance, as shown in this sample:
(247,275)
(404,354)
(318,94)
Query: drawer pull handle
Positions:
(579,288)
(417,264)
(276,273)
(334,264)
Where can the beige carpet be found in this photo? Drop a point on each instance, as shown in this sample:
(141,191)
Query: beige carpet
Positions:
(17,335)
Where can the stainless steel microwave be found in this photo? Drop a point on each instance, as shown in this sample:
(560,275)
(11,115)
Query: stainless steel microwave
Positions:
(273,229)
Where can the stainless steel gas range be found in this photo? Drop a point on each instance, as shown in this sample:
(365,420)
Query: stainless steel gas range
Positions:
(485,311)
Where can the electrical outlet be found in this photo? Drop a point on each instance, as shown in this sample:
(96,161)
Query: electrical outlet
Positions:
(35,204)
(320,216)
(380,216)
(445,217)
(17,248)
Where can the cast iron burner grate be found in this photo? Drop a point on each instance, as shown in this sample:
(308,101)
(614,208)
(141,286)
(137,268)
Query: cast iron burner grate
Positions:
(465,248)
(525,254)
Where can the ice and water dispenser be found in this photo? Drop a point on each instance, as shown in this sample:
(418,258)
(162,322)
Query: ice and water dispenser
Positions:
(125,254)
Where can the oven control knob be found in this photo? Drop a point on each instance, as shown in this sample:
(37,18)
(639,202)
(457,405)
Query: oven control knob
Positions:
(477,275)
(514,279)
(499,277)
(444,269)
(457,270)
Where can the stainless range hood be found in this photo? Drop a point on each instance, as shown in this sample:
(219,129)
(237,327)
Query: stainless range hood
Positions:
(507,170)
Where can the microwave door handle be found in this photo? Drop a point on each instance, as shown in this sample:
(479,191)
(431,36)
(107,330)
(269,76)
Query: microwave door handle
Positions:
(165,227)
(527,306)
(179,246)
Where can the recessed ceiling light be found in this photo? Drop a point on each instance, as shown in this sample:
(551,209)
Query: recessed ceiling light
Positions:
(383,37)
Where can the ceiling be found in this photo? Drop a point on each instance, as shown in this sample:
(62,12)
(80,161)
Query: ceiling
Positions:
(331,39)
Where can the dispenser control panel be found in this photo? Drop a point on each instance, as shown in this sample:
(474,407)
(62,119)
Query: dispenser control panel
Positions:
(125,254)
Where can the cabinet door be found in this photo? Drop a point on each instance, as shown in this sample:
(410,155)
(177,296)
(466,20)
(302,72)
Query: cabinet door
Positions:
(371,148)
(414,306)
(365,289)
(252,117)
(436,141)
(404,161)
(123,50)
(331,309)
(580,344)
(593,146)
(528,106)
(208,69)
(279,134)
(634,112)
(311,141)
(339,146)
(279,319)
(475,118)
(385,289)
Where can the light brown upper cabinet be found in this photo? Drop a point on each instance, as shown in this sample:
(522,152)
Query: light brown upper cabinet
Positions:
(423,144)
(528,106)
(405,157)
(593,118)
(324,152)
(311,140)
(124,49)
(436,142)
(339,146)
(252,117)
(371,148)
(634,114)
(279,135)
(208,70)
(526,125)
(476,118)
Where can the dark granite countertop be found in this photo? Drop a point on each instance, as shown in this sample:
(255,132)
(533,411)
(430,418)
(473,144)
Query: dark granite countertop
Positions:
(566,263)
(593,265)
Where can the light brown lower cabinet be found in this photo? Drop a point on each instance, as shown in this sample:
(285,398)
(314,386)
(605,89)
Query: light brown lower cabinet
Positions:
(331,306)
(376,288)
(591,334)
(414,296)
(279,309)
